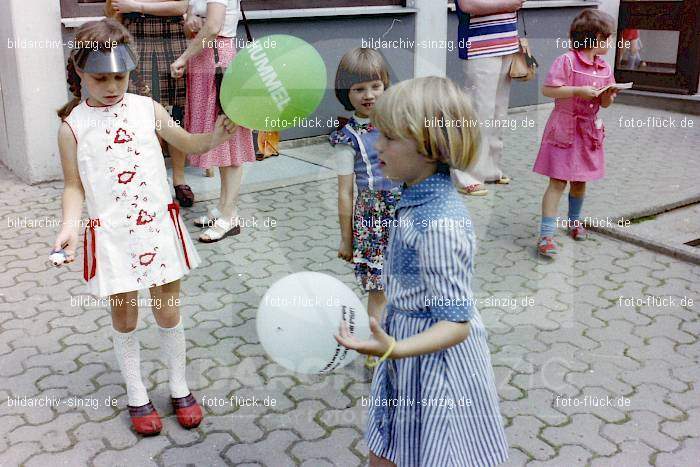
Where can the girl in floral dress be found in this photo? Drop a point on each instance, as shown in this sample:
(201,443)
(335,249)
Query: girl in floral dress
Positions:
(361,79)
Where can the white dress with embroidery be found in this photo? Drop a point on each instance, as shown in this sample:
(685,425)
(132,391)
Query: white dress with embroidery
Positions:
(135,238)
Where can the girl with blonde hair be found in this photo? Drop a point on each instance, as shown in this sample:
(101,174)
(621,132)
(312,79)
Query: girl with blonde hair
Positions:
(433,396)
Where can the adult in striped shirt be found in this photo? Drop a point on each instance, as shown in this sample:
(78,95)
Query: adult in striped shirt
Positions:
(491,39)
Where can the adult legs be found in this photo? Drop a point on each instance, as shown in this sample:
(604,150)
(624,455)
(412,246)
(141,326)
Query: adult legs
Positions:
(481,84)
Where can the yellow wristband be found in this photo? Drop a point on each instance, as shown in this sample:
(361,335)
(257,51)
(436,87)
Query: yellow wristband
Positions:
(370,363)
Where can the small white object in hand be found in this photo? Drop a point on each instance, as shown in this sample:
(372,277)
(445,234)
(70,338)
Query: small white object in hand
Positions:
(57,257)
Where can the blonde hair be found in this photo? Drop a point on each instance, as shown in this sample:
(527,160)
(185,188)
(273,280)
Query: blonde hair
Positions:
(436,114)
(357,66)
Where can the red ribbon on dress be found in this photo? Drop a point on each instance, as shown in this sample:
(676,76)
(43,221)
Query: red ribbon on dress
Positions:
(174,210)
(89,273)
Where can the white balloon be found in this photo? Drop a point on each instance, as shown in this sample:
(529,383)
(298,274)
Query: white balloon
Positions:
(298,317)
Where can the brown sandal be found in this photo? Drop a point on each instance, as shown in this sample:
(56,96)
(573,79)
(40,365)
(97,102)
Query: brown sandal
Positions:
(184,195)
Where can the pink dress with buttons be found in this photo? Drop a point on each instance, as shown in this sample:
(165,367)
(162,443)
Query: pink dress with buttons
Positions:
(572,143)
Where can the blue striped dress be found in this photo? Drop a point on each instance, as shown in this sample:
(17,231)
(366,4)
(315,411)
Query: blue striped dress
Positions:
(439,409)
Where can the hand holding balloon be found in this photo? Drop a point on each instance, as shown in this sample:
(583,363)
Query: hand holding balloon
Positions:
(377,345)
(223,129)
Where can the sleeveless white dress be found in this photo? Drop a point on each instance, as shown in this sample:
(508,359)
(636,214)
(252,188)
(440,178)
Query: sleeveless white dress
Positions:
(135,238)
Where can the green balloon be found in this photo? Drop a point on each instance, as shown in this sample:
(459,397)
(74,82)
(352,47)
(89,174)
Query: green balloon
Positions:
(273,83)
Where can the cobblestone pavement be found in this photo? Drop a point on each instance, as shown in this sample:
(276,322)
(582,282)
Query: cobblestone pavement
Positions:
(585,375)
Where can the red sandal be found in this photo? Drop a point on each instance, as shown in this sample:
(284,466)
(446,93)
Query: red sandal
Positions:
(188,411)
(145,419)
(184,195)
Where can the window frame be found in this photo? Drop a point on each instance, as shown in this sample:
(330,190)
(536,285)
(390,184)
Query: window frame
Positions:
(76,9)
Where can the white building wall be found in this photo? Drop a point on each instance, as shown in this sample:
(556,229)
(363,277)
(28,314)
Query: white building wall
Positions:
(431,26)
(33,86)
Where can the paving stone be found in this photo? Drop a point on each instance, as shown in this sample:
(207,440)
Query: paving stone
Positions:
(683,426)
(206,452)
(355,416)
(51,435)
(583,430)
(19,453)
(552,376)
(610,407)
(79,454)
(301,419)
(661,348)
(654,372)
(337,442)
(116,432)
(268,451)
(317,462)
(141,454)
(523,433)
(539,403)
(630,453)
(515,458)
(602,373)
(688,454)
(568,455)
(641,426)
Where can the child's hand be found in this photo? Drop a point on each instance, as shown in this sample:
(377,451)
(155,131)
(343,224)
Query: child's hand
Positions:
(67,240)
(377,345)
(610,93)
(345,251)
(223,128)
(586,92)
(608,97)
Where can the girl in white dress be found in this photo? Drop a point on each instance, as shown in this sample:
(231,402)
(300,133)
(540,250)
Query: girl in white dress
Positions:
(135,238)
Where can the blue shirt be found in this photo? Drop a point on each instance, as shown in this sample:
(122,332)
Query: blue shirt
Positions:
(428,264)
(362,138)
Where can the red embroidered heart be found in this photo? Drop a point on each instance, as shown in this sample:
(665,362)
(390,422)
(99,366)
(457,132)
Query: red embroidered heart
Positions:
(126,176)
(144,218)
(146,258)
(122,136)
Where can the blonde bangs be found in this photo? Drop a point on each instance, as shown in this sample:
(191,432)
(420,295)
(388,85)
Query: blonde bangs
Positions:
(436,114)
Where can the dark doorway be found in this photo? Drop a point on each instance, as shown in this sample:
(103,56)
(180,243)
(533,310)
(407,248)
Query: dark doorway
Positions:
(658,45)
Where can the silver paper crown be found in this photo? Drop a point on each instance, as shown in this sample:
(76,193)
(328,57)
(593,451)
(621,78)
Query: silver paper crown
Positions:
(119,59)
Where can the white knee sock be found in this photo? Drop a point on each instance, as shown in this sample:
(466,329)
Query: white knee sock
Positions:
(173,348)
(128,352)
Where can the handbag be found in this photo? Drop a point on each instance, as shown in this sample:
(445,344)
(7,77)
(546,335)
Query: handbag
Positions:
(219,72)
(268,144)
(524,65)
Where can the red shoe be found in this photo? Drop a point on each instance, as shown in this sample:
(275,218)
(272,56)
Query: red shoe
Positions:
(578,233)
(546,247)
(188,411)
(145,419)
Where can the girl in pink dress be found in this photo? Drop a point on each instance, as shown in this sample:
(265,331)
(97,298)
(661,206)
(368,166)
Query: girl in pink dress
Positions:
(572,143)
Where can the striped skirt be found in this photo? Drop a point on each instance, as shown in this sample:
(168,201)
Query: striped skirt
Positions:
(439,409)
(160,40)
